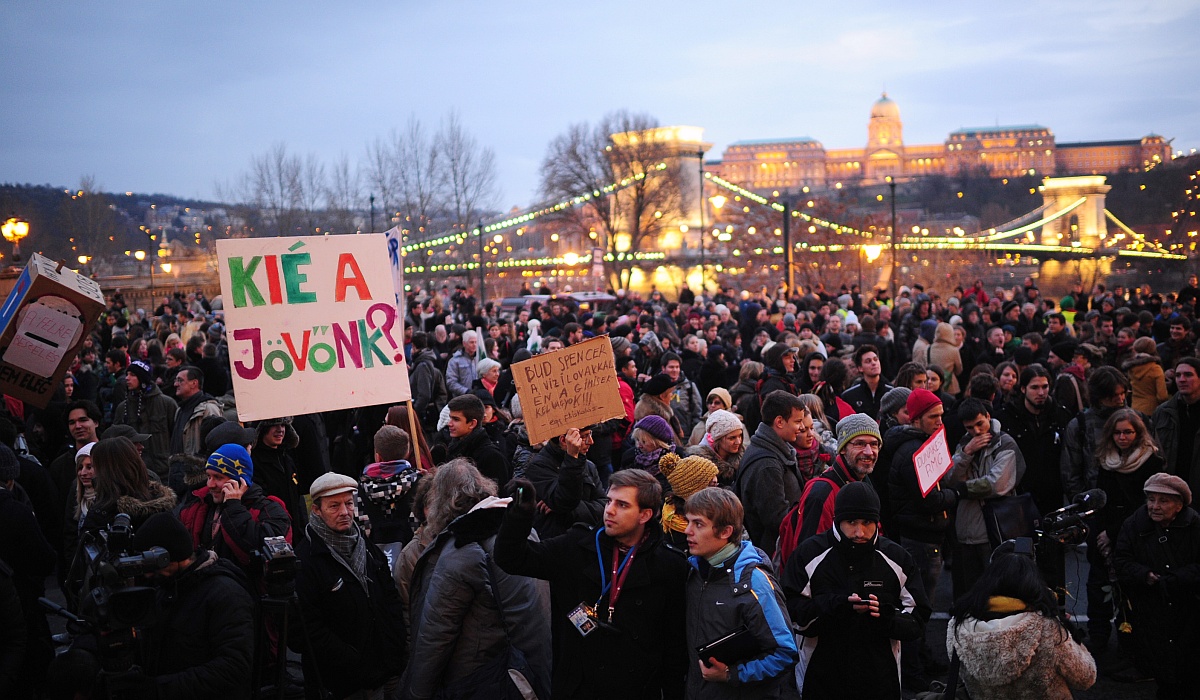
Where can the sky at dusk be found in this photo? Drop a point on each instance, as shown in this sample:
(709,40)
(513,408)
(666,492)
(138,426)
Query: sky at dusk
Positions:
(161,97)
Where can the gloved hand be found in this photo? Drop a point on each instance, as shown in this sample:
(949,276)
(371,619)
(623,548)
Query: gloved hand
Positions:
(524,497)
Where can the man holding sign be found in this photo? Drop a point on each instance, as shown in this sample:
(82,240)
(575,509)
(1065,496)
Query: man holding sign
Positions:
(920,507)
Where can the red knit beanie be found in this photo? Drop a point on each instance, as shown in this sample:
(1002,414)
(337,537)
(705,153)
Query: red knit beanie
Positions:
(920,401)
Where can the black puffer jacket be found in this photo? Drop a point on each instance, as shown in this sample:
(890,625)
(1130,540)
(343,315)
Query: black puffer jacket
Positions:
(203,643)
(645,657)
(275,472)
(570,486)
(357,634)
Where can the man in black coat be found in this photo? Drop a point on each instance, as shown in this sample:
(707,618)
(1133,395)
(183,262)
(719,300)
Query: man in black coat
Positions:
(201,644)
(274,469)
(567,483)
(865,395)
(618,628)
(469,439)
(348,599)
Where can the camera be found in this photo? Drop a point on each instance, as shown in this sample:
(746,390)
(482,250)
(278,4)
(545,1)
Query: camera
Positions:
(277,565)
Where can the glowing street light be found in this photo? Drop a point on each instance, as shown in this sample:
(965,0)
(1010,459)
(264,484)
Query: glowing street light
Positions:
(14,230)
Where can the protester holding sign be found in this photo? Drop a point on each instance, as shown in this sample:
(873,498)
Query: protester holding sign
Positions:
(920,515)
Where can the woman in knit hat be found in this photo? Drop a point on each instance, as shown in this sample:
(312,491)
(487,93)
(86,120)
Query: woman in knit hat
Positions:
(685,476)
(723,444)
(652,438)
(718,399)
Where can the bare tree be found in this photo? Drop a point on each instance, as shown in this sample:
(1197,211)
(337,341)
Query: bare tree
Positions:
(468,172)
(271,186)
(587,159)
(343,196)
(418,175)
(88,217)
(381,171)
(310,191)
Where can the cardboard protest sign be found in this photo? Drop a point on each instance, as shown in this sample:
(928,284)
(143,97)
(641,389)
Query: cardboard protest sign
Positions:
(569,388)
(312,324)
(42,326)
(932,461)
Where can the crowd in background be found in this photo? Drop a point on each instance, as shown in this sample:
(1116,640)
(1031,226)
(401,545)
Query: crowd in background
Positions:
(769,436)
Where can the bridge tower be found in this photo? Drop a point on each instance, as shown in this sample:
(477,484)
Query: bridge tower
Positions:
(1086,224)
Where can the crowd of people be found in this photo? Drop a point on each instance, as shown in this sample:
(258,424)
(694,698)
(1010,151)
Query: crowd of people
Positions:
(754,526)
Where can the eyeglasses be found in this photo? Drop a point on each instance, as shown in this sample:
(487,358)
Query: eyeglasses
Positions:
(864,444)
(1124,432)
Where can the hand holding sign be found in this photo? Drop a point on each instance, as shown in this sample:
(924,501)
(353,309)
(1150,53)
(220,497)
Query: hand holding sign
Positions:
(932,461)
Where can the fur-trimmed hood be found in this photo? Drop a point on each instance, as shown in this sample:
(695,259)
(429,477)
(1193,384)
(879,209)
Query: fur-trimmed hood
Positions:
(162,500)
(1140,359)
(192,468)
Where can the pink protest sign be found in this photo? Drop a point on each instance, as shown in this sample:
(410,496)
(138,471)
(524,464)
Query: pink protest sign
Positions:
(312,324)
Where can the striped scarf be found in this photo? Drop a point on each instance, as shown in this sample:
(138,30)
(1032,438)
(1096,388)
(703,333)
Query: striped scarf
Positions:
(348,548)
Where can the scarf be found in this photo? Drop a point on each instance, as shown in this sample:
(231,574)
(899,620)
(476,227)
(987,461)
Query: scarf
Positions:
(348,548)
(806,460)
(672,521)
(1005,604)
(1128,463)
(648,460)
(724,553)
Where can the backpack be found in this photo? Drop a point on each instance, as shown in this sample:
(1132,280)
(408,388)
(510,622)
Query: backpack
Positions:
(789,528)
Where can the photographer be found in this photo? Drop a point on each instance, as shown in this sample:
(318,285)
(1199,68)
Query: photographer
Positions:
(231,515)
(202,643)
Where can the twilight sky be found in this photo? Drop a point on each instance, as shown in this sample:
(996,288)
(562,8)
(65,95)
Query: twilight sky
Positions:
(175,97)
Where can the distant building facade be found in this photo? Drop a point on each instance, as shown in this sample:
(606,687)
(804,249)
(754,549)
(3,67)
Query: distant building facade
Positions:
(1002,151)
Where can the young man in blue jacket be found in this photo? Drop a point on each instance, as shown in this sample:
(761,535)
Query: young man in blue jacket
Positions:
(729,586)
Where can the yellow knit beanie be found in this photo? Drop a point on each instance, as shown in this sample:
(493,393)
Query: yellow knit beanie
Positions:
(687,475)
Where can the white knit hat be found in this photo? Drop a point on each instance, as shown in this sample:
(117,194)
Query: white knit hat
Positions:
(721,423)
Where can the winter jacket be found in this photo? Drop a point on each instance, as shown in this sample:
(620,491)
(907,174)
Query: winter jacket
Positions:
(643,656)
(1039,437)
(916,517)
(465,609)
(1165,616)
(429,392)
(202,645)
(1166,423)
(816,505)
(243,526)
(275,472)
(944,354)
(739,591)
(1026,656)
(688,406)
(993,471)
(153,413)
(188,417)
(768,484)
(160,499)
(847,654)
(460,374)
(480,449)
(1149,382)
(862,400)
(1077,463)
(569,486)
(356,634)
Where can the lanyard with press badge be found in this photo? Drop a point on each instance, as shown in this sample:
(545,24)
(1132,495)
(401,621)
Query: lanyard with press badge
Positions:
(618,574)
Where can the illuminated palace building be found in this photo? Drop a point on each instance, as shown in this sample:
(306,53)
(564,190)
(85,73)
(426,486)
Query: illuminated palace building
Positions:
(1002,151)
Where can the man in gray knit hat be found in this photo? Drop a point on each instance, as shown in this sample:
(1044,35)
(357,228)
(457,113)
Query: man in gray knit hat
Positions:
(858,449)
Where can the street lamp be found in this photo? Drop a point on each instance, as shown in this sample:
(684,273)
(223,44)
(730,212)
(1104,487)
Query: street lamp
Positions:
(892,237)
(14,230)
(140,255)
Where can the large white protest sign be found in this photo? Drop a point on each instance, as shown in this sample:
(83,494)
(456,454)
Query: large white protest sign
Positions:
(932,461)
(312,324)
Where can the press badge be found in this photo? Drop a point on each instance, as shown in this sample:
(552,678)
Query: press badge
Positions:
(583,617)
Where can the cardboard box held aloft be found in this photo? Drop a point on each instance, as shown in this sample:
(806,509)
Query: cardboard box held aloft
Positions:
(42,326)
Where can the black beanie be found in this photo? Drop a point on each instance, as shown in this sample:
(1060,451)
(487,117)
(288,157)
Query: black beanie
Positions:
(856,500)
(164,530)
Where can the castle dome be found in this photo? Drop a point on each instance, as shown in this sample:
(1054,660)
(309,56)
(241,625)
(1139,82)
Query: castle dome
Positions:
(885,108)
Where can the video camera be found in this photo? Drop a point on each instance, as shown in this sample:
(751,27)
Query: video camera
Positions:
(277,565)
(1067,525)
